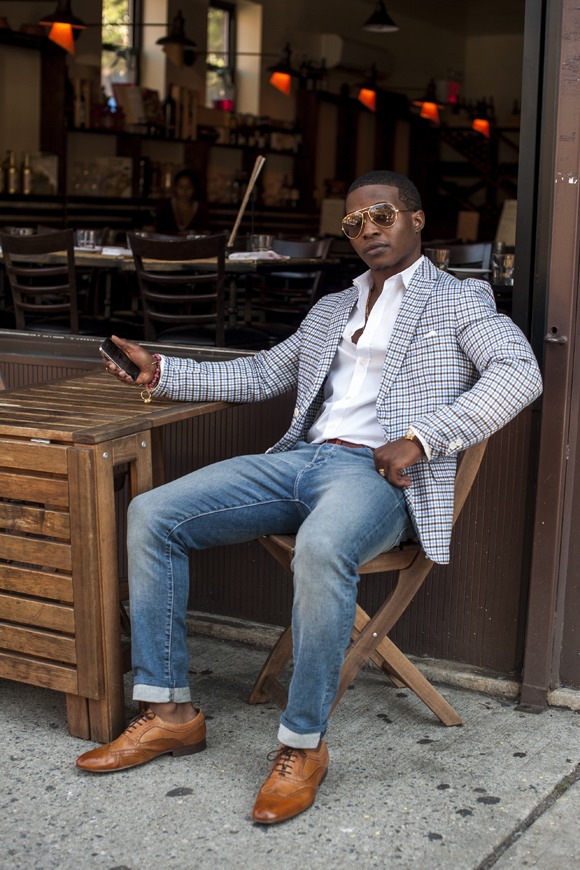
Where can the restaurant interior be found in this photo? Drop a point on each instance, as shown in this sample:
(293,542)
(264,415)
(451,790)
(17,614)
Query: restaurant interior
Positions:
(272,110)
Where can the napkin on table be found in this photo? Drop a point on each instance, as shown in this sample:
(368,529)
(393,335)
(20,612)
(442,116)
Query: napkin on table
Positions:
(257,255)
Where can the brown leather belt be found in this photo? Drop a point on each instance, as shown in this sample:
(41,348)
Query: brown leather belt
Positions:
(343,443)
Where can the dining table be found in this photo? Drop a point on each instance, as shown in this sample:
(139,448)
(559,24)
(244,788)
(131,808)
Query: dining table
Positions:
(239,270)
(64,445)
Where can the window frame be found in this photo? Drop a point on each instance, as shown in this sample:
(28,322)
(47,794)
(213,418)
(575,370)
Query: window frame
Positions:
(135,27)
(230,54)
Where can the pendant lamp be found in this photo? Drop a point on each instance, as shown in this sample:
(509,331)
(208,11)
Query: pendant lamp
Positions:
(367,94)
(380,21)
(429,105)
(481,125)
(64,26)
(283,72)
(481,122)
(176,45)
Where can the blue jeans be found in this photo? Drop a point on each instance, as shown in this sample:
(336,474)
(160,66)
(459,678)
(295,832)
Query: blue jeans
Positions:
(343,512)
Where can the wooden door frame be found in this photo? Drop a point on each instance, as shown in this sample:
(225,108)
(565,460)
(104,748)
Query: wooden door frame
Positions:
(554,327)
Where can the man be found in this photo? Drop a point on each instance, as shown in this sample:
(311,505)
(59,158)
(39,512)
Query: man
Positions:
(394,377)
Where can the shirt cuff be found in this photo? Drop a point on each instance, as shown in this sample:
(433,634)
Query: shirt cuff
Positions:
(426,448)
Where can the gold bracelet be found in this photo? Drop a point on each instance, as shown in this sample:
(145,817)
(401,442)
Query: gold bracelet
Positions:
(147,391)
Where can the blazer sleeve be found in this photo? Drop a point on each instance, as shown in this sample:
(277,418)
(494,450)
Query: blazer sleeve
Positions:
(509,376)
(254,378)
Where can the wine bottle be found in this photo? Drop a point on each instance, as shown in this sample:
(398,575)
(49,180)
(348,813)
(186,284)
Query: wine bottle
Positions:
(26,176)
(11,174)
(169,114)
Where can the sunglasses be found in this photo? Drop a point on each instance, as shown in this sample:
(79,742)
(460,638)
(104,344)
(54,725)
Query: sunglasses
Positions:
(383,214)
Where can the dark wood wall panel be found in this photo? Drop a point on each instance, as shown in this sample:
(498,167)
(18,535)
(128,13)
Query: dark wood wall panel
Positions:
(471,611)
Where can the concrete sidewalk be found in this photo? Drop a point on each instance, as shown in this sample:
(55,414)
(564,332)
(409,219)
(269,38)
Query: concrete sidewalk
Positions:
(402,790)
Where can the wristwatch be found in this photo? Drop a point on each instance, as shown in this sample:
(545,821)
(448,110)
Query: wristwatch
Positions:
(410,436)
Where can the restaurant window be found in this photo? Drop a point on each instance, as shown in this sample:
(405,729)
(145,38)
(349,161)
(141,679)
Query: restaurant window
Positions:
(119,50)
(221,49)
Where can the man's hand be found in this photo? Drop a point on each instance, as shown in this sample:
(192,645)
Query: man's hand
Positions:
(391,459)
(139,356)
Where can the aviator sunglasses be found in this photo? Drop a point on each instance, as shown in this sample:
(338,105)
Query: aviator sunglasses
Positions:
(383,214)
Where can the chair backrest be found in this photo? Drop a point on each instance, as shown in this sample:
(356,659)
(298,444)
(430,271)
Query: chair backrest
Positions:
(175,294)
(304,249)
(467,470)
(41,290)
(477,254)
(469,464)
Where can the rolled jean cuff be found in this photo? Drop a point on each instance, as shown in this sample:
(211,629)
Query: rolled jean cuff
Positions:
(161,694)
(298,741)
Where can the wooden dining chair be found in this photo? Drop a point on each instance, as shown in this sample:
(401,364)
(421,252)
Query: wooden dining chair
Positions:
(282,298)
(182,304)
(369,640)
(45,295)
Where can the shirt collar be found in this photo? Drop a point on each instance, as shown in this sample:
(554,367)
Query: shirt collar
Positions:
(364,282)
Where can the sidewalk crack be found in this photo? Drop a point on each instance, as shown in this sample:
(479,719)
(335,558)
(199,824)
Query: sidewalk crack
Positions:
(559,789)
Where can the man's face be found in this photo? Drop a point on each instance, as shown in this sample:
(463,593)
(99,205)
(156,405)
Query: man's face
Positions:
(386,249)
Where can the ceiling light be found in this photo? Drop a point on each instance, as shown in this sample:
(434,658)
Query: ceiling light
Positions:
(283,72)
(367,94)
(380,21)
(481,125)
(64,26)
(429,105)
(176,45)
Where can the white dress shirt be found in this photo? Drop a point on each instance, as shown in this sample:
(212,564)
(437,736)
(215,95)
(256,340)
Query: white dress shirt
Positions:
(349,410)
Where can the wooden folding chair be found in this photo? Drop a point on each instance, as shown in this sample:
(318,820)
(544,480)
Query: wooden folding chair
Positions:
(369,639)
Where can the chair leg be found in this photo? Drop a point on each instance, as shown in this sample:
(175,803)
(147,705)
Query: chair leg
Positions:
(410,676)
(365,642)
(268,687)
(368,637)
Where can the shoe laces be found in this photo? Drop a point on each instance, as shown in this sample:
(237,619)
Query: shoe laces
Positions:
(147,715)
(284,759)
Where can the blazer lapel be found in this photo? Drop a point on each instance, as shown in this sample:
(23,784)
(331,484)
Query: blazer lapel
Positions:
(329,339)
(416,296)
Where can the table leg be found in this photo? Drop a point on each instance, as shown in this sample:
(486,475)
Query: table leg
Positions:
(101,682)
(232,312)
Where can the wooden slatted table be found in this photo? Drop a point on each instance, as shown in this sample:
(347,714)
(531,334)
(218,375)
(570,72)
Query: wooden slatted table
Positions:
(60,624)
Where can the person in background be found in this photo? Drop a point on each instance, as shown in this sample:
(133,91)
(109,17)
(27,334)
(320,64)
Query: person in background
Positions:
(184,212)
(394,377)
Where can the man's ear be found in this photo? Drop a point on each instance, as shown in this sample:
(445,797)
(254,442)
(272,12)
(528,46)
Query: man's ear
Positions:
(419,220)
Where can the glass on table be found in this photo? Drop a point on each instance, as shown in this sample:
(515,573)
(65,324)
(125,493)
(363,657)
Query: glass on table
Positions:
(260,242)
(86,239)
(438,256)
(502,268)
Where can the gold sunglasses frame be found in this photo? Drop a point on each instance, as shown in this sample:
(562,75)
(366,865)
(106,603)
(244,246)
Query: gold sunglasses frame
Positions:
(367,211)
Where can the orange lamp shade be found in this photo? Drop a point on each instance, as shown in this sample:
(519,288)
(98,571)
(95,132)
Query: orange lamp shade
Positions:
(482,126)
(282,81)
(368,98)
(430,111)
(62,34)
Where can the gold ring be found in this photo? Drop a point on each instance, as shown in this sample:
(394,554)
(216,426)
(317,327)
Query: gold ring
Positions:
(382,472)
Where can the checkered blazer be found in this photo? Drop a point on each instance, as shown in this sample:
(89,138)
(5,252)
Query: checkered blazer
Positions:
(455,369)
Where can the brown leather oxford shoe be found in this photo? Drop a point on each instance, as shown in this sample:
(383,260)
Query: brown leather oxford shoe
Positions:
(146,737)
(292,784)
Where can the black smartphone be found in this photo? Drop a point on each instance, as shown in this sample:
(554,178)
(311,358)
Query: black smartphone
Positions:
(114,353)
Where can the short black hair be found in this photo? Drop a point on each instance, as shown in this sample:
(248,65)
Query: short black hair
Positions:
(408,193)
(186,172)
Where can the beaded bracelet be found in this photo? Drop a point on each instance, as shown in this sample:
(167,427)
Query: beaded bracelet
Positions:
(147,391)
